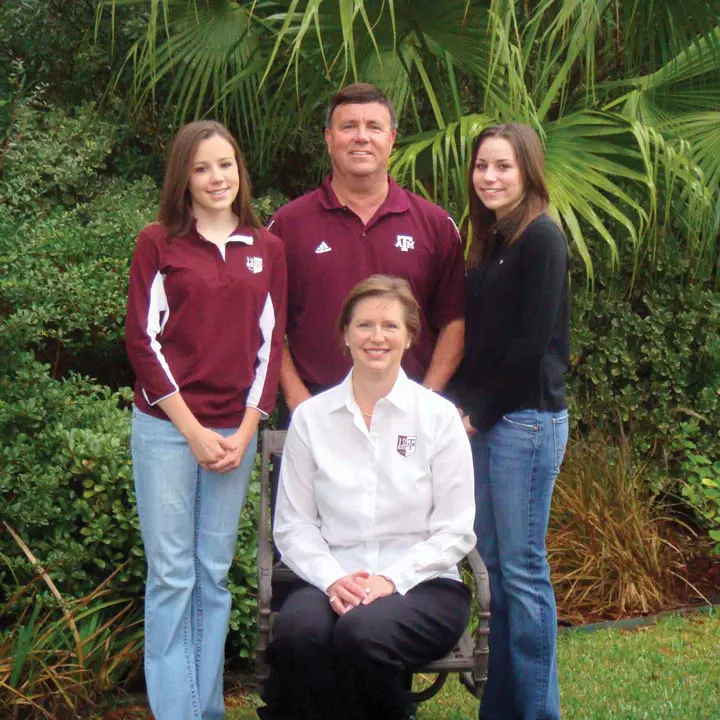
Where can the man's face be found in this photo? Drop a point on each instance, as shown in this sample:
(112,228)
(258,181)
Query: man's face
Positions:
(360,139)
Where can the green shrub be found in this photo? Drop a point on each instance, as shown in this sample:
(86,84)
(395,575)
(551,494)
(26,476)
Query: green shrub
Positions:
(644,364)
(700,469)
(52,157)
(66,484)
(66,487)
(64,280)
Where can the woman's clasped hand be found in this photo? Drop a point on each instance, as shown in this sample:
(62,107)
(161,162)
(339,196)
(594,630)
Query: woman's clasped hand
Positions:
(358,588)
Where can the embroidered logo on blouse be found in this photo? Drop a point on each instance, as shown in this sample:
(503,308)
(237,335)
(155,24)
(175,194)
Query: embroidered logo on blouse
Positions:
(405,243)
(254,264)
(406,444)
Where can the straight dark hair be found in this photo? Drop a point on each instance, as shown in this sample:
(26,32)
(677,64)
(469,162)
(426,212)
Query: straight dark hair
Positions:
(488,233)
(175,211)
(360,94)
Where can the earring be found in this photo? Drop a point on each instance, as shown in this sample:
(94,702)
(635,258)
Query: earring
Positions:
(347,344)
(407,346)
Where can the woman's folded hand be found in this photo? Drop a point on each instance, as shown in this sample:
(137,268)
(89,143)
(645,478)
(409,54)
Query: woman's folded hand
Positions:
(377,586)
(348,592)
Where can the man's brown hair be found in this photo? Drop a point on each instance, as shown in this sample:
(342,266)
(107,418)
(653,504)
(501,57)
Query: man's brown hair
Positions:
(359,94)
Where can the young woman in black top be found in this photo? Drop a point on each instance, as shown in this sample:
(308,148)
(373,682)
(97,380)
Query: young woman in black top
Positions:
(512,398)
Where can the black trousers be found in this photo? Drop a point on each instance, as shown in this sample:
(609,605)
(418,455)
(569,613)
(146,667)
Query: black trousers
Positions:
(326,667)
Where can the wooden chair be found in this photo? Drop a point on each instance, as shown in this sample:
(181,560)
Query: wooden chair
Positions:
(469,658)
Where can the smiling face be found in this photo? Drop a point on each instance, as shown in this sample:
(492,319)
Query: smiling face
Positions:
(497,178)
(213,180)
(360,139)
(377,335)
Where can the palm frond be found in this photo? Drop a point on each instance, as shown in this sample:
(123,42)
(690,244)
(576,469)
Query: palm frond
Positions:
(441,156)
(653,32)
(203,57)
(602,168)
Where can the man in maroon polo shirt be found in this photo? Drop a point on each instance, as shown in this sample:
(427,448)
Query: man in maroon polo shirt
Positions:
(360,222)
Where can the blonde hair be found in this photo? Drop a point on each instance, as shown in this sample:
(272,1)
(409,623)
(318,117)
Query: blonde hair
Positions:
(388,286)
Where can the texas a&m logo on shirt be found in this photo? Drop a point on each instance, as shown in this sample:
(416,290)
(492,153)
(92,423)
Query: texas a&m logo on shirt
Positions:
(406,444)
(254,264)
(405,243)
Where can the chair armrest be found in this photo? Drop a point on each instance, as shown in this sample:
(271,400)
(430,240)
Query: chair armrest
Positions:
(271,446)
(482,581)
(475,681)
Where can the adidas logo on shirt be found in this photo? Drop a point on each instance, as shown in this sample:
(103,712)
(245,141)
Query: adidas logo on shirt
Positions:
(323,247)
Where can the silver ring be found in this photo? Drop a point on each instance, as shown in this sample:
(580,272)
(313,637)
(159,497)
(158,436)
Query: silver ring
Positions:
(367,591)
(333,599)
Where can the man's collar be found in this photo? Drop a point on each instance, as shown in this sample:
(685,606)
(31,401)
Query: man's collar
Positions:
(395,202)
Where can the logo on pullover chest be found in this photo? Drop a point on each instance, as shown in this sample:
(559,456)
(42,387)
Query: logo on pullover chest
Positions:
(323,247)
(406,444)
(405,243)
(254,264)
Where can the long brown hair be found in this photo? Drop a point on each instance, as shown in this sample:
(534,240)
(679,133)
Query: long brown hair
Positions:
(487,231)
(175,211)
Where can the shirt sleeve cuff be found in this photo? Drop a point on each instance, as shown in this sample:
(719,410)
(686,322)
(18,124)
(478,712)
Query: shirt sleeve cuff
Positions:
(160,399)
(327,572)
(263,414)
(404,581)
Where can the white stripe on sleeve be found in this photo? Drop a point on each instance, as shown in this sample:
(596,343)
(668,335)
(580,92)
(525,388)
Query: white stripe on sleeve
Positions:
(158,305)
(457,229)
(267,325)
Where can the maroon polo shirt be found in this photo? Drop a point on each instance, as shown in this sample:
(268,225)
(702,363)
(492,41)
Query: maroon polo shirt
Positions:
(207,321)
(329,251)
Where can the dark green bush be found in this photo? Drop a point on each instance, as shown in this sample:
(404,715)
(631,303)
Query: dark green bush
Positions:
(52,157)
(647,366)
(66,487)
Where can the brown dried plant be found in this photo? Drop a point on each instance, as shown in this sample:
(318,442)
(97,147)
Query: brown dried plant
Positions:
(60,655)
(610,539)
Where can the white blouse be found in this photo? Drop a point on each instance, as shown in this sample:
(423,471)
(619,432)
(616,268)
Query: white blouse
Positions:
(396,499)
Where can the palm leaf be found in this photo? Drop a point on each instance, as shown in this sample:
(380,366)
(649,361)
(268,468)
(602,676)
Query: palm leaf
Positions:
(205,58)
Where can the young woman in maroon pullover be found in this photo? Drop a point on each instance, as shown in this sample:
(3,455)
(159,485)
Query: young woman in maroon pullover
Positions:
(204,334)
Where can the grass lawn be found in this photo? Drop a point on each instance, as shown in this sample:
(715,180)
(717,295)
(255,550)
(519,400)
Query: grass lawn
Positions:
(669,670)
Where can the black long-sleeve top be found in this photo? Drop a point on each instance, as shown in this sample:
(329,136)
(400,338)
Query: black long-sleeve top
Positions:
(517,328)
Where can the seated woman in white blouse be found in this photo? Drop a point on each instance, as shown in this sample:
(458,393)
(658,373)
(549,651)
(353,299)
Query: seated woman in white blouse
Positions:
(375,508)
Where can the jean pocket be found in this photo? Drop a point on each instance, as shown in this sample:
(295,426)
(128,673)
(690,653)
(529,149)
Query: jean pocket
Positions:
(522,419)
(560,438)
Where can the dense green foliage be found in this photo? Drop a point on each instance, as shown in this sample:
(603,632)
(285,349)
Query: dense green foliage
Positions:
(79,177)
(624,94)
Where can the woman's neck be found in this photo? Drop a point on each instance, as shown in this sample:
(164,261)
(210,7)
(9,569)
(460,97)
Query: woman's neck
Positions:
(215,227)
(369,388)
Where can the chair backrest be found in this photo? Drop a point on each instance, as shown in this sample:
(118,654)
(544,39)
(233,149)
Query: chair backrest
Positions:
(272,442)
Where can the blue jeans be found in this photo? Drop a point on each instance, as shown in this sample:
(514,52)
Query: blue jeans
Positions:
(189,519)
(516,462)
